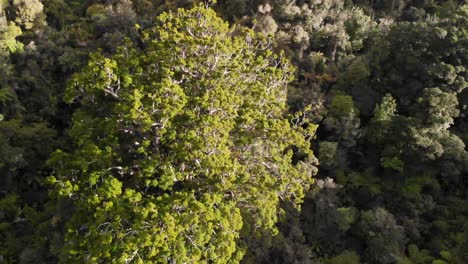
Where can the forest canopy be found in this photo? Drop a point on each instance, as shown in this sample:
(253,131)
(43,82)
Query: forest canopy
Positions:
(234,131)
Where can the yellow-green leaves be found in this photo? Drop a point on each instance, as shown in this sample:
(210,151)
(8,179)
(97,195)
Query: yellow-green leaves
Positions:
(8,38)
(183,152)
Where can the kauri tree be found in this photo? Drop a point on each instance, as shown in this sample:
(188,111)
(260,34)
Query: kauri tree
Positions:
(181,151)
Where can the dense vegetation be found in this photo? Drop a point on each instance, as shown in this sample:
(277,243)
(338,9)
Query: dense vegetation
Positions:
(252,131)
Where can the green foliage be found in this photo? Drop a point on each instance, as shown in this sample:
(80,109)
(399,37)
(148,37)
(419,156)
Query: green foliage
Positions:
(60,13)
(347,217)
(327,153)
(23,152)
(446,255)
(412,187)
(29,13)
(343,120)
(393,163)
(10,213)
(383,115)
(385,236)
(5,97)
(386,109)
(327,26)
(438,261)
(342,105)
(96,12)
(347,257)
(417,256)
(175,147)
(8,34)
(440,107)
(182,152)
(354,73)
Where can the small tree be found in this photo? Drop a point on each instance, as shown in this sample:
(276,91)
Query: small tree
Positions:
(181,150)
